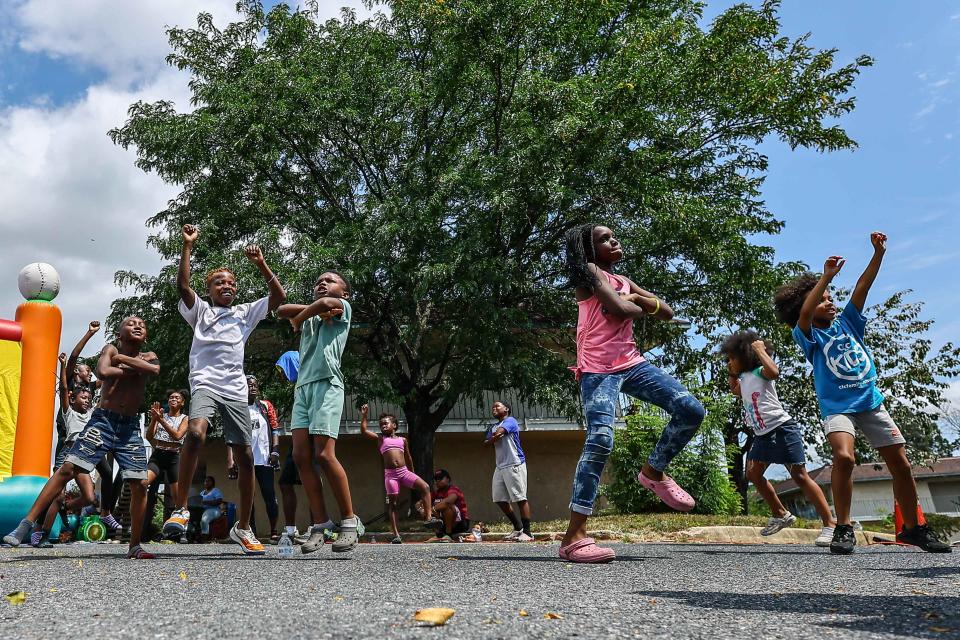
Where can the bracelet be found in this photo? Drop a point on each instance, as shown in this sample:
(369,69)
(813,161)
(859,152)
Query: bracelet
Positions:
(272,279)
(657,310)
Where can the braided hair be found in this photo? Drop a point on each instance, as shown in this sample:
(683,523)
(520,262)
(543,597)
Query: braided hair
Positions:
(580,251)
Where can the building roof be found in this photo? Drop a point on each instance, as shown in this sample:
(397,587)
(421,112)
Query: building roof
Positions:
(874,471)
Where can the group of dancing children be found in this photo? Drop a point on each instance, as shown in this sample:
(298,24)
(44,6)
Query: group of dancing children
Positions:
(608,364)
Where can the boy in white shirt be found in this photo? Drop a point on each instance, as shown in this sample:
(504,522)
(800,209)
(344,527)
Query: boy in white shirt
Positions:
(217,382)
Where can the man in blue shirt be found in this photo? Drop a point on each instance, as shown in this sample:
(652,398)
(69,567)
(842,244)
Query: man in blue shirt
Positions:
(510,476)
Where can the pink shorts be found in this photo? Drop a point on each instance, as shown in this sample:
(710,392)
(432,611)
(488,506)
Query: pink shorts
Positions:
(393,478)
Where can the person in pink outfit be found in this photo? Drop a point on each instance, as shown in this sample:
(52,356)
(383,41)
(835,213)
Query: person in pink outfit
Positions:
(608,364)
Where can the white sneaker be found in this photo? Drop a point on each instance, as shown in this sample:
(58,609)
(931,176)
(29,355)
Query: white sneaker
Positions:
(512,536)
(774,525)
(825,537)
(523,537)
(247,541)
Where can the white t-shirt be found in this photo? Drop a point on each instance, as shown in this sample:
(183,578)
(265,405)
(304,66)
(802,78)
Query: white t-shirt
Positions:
(260,441)
(761,405)
(161,433)
(219,336)
(75,421)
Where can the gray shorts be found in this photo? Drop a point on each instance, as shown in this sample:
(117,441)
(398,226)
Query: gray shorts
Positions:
(510,483)
(237,428)
(876,425)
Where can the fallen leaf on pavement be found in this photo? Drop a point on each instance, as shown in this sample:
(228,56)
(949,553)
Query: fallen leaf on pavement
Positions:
(452,558)
(940,629)
(183,575)
(931,615)
(338,598)
(524,613)
(553,616)
(16,597)
(53,589)
(436,615)
(80,563)
(919,592)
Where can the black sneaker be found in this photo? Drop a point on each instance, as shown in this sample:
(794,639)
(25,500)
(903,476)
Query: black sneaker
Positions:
(844,539)
(922,536)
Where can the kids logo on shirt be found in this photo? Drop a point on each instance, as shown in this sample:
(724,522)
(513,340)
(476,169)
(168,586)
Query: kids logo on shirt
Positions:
(846,358)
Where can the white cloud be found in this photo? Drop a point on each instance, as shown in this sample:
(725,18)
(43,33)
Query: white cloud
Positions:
(70,197)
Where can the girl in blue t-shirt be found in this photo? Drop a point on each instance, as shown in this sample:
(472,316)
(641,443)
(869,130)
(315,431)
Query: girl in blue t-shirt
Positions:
(845,377)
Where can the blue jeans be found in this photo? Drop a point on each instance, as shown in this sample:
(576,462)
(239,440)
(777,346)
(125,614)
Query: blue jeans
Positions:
(108,432)
(600,392)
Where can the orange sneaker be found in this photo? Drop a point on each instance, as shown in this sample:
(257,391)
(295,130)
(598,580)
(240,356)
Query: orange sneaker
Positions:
(247,541)
(177,523)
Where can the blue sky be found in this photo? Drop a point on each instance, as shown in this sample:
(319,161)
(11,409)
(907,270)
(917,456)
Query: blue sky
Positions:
(67,76)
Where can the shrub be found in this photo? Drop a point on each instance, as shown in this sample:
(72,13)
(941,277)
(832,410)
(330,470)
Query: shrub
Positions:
(701,468)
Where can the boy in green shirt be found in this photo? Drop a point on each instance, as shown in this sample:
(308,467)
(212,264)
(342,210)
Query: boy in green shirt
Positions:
(318,404)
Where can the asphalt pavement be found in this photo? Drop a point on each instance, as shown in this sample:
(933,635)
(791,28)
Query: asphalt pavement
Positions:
(497,590)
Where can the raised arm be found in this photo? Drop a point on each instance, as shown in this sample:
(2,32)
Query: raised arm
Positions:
(187,294)
(78,349)
(64,383)
(831,268)
(859,297)
(277,294)
(290,310)
(649,302)
(769,368)
(364,427)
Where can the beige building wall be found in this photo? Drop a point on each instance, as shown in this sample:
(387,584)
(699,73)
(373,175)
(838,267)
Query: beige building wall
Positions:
(551,459)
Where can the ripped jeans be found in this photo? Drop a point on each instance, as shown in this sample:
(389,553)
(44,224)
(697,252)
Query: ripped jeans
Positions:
(111,431)
(600,392)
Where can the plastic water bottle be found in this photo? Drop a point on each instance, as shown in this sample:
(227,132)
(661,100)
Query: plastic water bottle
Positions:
(477,533)
(285,546)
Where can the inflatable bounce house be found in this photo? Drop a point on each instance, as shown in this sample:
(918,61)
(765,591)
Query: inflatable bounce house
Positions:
(28,377)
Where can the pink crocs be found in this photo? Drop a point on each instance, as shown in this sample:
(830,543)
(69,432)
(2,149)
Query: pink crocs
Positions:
(586,551)
(669,491)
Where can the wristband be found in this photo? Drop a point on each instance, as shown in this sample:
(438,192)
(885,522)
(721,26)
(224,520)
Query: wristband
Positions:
(657,310)
(272,279)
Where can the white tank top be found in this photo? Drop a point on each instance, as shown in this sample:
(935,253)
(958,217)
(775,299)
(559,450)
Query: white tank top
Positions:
(761,405)
(161,434)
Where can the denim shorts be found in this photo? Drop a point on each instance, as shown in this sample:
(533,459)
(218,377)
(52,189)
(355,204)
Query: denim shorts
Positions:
(783,445)
(110,431)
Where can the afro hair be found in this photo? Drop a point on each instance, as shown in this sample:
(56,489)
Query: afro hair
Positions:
(789,298)
(737,346)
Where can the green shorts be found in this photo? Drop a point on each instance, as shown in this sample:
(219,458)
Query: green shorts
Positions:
(317,406)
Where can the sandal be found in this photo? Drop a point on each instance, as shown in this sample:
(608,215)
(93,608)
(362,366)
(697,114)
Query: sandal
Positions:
(669,491)
(586,551)
(397,540)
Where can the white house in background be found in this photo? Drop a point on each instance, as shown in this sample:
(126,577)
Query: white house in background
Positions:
(938,487)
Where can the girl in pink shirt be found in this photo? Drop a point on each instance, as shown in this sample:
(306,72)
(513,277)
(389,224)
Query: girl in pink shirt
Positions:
(608,364)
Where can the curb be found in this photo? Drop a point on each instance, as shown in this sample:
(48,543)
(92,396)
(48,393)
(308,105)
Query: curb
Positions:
(751,535)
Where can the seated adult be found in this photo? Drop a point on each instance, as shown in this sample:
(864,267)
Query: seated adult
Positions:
(211,498)
(450,506)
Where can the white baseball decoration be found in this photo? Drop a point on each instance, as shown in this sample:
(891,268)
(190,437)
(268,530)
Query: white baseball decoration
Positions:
(39,281)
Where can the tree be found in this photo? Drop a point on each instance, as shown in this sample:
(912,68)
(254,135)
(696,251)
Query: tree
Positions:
(439,153)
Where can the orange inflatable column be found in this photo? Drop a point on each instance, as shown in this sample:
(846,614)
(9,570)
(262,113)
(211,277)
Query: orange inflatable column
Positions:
(41,323)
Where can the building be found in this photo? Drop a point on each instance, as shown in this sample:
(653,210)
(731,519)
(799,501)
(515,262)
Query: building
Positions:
(938,487)
(552,445)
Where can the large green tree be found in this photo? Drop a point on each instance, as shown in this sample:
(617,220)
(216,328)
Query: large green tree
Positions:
(438,152)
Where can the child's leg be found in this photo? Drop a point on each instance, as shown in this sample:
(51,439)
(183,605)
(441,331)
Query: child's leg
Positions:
(288,496)
(755,471)
(904,486)
(649,384)
(52,489)
(105,470)
(189,454)
(243,455)
(599,393)
(264,475)
(392,510)
(303,456)
(813,493)
(138,506)
(841,477)
(424,490)
(336,476)
(511,515)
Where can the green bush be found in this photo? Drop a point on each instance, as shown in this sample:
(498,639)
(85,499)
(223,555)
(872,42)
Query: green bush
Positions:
(701,468)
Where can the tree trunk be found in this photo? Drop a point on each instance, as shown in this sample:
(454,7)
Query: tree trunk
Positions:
(422,426)
(738,474)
